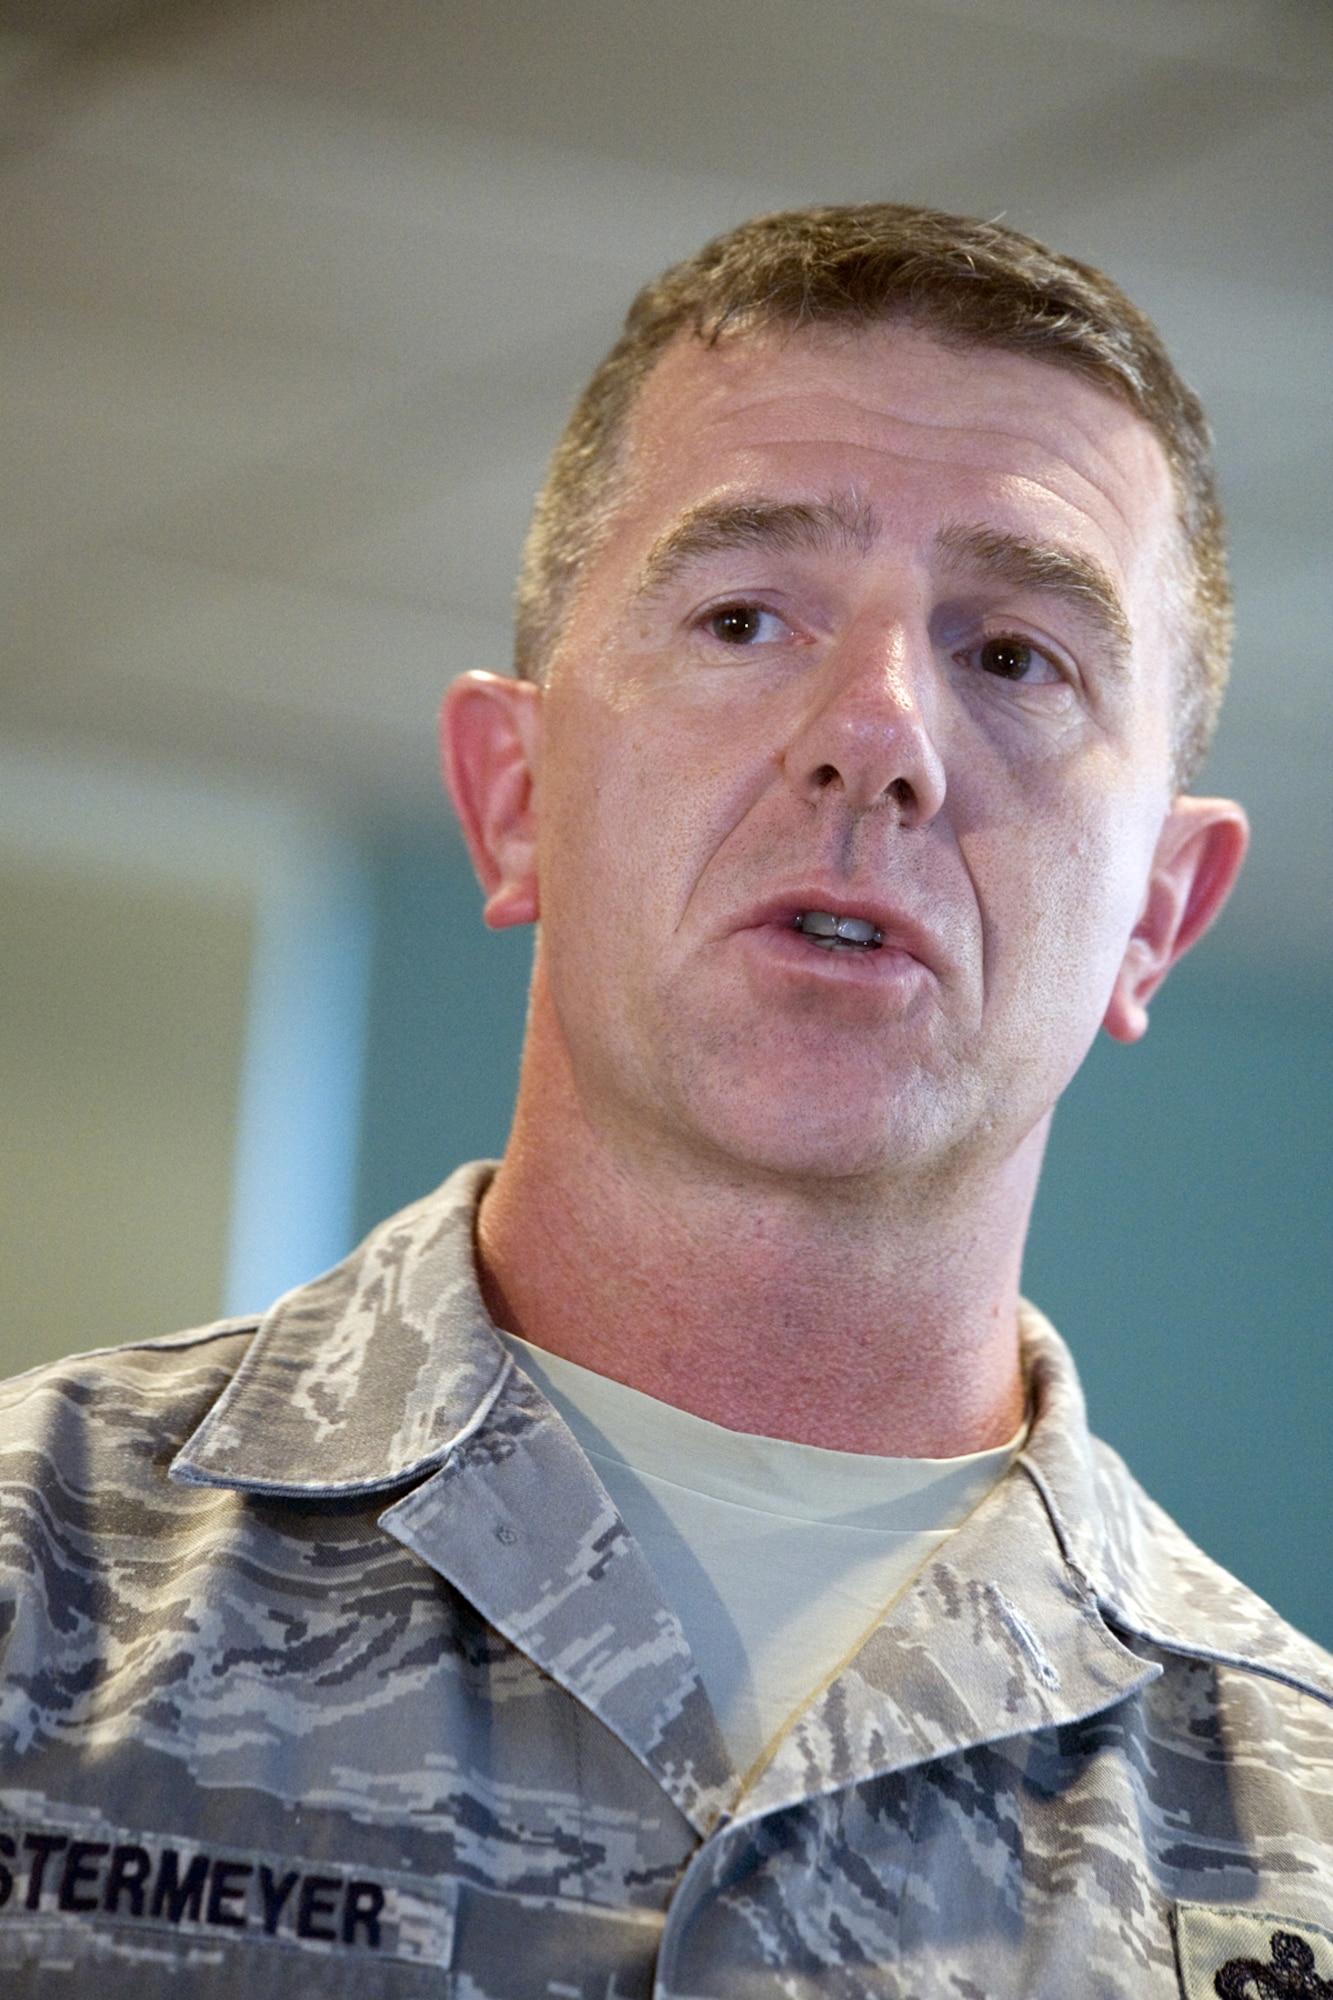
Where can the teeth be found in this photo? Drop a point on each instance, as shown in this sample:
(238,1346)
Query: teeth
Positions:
(823,928)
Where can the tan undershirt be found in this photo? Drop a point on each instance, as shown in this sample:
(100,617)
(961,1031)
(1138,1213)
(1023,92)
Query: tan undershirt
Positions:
(776,1557)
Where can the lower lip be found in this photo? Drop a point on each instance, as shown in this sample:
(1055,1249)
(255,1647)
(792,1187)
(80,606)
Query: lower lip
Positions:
(880,965)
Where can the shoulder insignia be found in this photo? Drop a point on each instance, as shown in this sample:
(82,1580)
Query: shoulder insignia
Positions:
(1230,1954)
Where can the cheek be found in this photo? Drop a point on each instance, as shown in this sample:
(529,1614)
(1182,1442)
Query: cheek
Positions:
(634,803)
(1060,892)
(611,844)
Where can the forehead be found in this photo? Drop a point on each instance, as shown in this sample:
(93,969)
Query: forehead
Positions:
(894,413)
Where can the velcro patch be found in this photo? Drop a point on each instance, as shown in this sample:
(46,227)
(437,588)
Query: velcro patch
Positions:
(1229,1954)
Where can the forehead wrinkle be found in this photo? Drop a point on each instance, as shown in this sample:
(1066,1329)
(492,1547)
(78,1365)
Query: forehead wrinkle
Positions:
(716,526)
(1041,567)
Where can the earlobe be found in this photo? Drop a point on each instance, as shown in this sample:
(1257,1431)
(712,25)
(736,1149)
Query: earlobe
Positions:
(1199,853)
(490,733)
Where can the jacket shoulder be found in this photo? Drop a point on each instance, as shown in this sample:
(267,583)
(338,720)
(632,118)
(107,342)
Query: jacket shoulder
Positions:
(1165,1589)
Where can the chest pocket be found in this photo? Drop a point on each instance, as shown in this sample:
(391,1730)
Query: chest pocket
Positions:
(48,1960)
(516,1948)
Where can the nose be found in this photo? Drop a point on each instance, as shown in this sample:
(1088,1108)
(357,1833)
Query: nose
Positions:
(865,735)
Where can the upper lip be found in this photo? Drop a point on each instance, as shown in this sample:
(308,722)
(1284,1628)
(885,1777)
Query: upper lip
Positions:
(899,931)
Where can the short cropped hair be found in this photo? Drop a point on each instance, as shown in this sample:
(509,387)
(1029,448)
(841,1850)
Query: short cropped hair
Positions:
(967,283)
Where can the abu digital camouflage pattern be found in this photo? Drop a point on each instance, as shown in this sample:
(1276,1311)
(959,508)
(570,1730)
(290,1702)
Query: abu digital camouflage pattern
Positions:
(334,1612)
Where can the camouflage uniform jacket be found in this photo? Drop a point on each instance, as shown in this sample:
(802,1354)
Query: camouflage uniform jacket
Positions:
(330,1669)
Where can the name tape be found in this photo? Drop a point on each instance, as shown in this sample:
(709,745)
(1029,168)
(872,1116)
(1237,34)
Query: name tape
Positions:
(162,1883)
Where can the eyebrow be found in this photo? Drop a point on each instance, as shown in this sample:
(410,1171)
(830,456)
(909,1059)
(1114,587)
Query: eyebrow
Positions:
(1042,567)
(848,521)
(715,527)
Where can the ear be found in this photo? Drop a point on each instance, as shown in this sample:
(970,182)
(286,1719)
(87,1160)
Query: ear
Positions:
(490,734)
(1198,857)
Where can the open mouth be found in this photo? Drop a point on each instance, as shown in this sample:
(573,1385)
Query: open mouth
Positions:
(839,933)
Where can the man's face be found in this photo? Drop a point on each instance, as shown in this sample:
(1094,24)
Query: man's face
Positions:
(878,633)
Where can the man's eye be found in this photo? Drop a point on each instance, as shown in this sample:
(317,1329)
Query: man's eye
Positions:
(745,625)
(1015,660)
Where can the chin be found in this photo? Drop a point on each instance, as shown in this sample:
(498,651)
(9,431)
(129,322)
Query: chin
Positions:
(798,1142)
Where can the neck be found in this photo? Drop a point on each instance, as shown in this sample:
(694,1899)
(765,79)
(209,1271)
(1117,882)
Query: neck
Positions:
(868,1315)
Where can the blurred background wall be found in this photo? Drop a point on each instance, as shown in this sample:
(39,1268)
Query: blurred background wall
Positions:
(295,297)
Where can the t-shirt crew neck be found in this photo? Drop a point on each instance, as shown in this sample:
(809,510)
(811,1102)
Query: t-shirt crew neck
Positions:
(777,1557)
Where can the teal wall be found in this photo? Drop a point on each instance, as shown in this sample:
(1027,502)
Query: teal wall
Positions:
(1182,1243)
(1182,1239)
(445,1023)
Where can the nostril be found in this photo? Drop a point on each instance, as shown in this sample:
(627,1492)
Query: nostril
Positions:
(825,776)
(900,791)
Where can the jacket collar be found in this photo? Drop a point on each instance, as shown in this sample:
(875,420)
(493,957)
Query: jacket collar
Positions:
(387,1374)
(1148,1579)
(1029,1616)
(369,1377)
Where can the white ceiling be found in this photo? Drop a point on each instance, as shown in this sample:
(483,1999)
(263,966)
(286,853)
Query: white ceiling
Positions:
(296,293)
